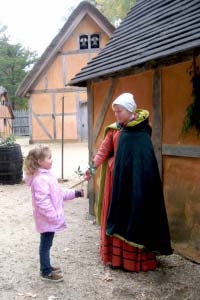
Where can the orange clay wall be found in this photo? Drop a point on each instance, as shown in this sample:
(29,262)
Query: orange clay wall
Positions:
(72,62)
(45,115)
(180,174)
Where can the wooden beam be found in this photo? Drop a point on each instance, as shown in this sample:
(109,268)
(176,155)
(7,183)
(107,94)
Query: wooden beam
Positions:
(64,69)
(59,90)
(181,150)
(41,125)
(46,83)
(78,118)
(90,120)
(72,52)
(157,117)
(30,118)
(56,114)
(53,115)
(91,194)
(104,109)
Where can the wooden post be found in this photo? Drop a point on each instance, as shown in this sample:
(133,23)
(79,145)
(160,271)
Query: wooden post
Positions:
(78,121)
(54,115)
(157,118)
(93,133)
(63,114)
(30,119)
(104,109)
(91,194)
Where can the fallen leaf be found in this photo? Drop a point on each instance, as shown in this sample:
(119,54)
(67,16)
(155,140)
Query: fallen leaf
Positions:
(93,222)
(27,295)
(66,249)
(31,295)
(52,297)
(107,277)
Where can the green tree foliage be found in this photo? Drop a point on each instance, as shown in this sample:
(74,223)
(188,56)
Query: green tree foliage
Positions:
(15,62)
(114,10)
(192,116)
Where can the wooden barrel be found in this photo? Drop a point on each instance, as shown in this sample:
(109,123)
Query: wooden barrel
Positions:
(11,164)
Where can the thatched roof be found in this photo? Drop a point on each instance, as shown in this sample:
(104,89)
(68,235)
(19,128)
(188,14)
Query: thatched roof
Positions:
(83,9)
(153,29)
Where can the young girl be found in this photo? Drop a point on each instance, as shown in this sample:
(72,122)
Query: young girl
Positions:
(47,201)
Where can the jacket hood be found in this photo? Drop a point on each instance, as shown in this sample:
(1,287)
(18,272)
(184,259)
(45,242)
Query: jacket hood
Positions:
(29,178)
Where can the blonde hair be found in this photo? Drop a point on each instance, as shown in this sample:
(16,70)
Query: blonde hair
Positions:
(31,160)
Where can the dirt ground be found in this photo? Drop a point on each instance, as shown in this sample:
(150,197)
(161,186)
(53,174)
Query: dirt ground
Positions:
(76,250)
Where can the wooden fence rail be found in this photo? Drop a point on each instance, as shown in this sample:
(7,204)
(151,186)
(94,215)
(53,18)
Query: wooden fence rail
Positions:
(21,122)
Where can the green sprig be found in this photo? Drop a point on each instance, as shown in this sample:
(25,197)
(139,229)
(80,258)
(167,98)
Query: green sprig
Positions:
(79,172)
(7,141)
(192,115)
(92,168)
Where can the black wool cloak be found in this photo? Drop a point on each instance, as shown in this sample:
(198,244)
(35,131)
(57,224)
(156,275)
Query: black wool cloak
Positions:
(137,211)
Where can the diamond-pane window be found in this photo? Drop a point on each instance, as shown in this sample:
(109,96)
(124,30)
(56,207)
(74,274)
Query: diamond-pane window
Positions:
(83,41)
(94,41)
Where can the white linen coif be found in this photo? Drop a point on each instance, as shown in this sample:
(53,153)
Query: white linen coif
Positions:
(126,100)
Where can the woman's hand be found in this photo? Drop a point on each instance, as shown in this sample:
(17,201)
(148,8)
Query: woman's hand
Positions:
(87,175)
(90,171)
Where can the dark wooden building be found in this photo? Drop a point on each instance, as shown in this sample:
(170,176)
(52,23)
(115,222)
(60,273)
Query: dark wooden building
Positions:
(150,55)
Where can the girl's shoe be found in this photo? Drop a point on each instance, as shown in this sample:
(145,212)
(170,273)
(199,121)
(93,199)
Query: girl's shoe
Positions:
(54,277)
(56,269)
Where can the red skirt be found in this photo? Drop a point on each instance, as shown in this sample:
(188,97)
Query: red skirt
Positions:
(120,254)
(117,252)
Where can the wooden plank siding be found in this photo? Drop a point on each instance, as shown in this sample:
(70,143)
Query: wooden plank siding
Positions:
(20,123)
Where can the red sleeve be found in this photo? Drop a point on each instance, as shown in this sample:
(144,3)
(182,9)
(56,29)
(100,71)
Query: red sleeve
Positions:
(105,149)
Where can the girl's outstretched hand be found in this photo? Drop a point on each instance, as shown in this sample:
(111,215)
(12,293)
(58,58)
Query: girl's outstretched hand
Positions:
(79,193)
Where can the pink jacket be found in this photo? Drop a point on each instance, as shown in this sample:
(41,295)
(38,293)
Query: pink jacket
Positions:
(47,200)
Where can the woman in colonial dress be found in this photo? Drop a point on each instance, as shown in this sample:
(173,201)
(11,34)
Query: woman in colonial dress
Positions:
(131,209)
